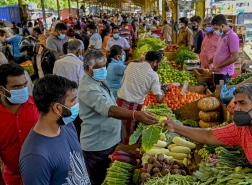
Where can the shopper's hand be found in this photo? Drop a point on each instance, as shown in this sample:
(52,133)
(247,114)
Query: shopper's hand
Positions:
(145,117)
(207,66)
(214,69)
(170,124)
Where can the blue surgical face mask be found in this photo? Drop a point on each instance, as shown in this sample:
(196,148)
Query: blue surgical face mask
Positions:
(209,29)
(219,33)
(116,35)
(80,57)
(68,24)
(123,59)
(18,96)
(74,113)
(61,36)
(100,74)
(78,32)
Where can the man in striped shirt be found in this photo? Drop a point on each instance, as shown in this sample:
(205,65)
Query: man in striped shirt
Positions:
(126,31)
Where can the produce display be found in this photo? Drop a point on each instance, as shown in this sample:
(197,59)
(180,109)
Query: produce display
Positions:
(146,44)
(171,48)
(183,53)
(209,114)
(119,173)
(168,74)
(240,79)
(173,98)
(28,67)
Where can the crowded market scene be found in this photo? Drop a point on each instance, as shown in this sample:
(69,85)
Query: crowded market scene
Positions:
(141,92)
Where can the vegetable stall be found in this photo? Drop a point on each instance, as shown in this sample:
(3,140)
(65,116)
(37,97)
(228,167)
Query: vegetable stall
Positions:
(156,156)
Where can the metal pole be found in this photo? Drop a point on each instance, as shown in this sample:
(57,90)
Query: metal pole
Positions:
(21,10)
(69,6)
(43,11)
(58,8)
(78,12)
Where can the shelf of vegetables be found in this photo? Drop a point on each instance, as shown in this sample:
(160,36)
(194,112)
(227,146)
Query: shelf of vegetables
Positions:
(167,158)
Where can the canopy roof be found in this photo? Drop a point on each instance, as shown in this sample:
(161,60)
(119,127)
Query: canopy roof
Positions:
(114,2)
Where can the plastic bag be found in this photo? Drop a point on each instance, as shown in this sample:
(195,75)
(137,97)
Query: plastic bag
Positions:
(226,95)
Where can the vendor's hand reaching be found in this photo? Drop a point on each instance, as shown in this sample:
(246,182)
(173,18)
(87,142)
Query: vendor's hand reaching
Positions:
(207,66)
(145,117)
(165,88)
(170,124)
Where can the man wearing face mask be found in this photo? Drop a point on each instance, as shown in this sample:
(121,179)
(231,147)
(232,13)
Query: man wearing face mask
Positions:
(101,127)
(185,36)
(199,35)
(209,43)
(234,134)
(139,79)
(71,66)
(51,153)
(117,40)
(18,114)
(227,52)
(95,41)
(56,40)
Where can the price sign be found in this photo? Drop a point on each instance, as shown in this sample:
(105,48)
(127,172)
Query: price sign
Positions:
(184,88)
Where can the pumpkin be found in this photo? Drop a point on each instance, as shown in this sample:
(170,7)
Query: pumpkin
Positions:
(209,104)
(204,124)
(209,116)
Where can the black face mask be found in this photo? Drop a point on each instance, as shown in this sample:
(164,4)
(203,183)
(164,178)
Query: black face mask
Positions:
(242,118)
(194,28)
(155,68)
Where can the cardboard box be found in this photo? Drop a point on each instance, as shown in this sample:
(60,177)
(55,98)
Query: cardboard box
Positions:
(240,28)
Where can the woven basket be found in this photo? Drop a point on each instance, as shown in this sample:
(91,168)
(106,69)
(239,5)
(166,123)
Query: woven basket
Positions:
(170,55)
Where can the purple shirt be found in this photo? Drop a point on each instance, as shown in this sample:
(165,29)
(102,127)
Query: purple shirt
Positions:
(227,44)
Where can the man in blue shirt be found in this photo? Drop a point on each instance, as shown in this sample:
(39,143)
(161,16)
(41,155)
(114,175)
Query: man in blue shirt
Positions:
(14,41)
(51,153)
(199,35)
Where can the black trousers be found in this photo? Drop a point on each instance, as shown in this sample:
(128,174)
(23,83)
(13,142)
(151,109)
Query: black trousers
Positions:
(218,77)
(97,163)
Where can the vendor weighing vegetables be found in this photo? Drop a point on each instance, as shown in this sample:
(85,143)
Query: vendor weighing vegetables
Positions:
(101,129)
(234,134)
(227,51)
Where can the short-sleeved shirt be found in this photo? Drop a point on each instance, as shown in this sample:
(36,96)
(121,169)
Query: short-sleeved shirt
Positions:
(232,135)
(197,41)
(138,80)
(98,130)
(15,40)
(53,160)
(208,48)
(25,31)
(115,74)
(14,130)
(70,67)
(185,37)
(126,33)
(120,41)
(226,45)
(167,32)
(96,41)
(55,43)
(86,40)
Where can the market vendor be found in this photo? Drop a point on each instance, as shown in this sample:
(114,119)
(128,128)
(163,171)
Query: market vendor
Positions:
(237,133)
(209,43)
(101,127)
(185,36)
(139,79)
(227,52)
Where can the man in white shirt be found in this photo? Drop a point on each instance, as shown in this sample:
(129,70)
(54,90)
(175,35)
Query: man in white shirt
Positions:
(117,40)
(71,66)
(95,41)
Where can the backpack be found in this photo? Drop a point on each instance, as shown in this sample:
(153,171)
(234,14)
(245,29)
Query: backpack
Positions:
(48,58)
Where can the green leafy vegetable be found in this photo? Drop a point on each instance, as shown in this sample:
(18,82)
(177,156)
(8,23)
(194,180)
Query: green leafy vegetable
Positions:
(240,79)
(137,133)
(150,137)
(183,53)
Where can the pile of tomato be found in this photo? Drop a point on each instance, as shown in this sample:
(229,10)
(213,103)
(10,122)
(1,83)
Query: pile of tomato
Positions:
(171,48)
(174,99)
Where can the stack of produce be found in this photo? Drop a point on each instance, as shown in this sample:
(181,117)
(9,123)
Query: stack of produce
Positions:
(119,173)
(28,66)
(160,166)
(173,64)
(181,150)
(183,53)
(168,74)
(240,79)
(173,98)
(209,114)
(146,44)
(123,156)
(171,48)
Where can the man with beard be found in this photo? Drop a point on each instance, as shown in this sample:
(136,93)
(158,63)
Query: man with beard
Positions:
(238,133)
(51,154)
(18,114)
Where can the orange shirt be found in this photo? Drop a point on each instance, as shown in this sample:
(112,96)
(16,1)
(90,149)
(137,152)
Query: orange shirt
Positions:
(104,44)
